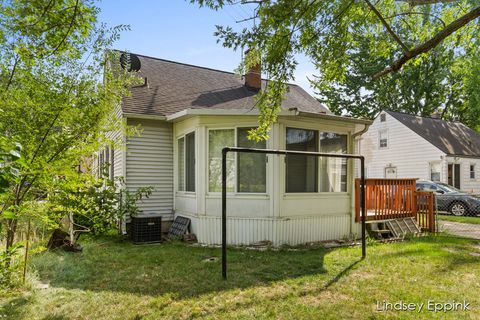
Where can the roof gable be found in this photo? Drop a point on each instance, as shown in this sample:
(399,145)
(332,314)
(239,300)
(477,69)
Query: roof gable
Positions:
(453,138)
(174,87)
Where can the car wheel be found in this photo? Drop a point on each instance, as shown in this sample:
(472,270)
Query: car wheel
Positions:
(458,209)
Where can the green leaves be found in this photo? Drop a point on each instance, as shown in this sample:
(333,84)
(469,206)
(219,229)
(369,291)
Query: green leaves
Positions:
(349,43)
(57,95)
(9,215)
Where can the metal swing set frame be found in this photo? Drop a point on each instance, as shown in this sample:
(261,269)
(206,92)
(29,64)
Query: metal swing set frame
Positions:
(285,153)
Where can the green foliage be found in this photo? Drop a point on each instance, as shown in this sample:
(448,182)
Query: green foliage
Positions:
(128,200)
(97,204)
(9,158)
(349,44)
(9,267)
(57,94)
(441,81)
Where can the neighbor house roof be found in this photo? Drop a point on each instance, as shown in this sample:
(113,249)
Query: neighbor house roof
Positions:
(172,87)
(453,138)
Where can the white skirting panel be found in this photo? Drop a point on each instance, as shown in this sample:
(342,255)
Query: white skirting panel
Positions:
(292,231)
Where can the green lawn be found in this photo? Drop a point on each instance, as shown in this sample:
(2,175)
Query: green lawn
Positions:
(473,220)
(113,279)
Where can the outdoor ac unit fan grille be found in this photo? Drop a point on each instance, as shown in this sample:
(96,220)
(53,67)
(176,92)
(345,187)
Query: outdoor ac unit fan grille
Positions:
(146,229)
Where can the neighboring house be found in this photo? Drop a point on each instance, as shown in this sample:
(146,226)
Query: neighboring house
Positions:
(189,113)
(399,145)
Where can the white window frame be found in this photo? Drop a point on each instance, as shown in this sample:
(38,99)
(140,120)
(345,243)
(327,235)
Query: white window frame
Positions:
(235,142)
(183,135)
(430,165)
(380,131)
(474,171)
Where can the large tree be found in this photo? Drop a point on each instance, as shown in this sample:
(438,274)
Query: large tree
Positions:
(56,94)
(328,31)
(441,82)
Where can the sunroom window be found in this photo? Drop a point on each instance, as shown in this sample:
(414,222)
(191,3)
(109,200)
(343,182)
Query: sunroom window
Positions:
(315,174)
(186,163)
(217,140)
(301,171)
(252,170)
(333,171)
(246,172)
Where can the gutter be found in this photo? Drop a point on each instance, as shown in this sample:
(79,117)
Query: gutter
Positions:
(144,116)
(359,133)
(461,156)
(332,117)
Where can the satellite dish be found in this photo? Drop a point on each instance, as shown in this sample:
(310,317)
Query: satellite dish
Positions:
(130,62)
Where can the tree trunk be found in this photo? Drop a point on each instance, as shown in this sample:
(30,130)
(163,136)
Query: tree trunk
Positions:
(11,231)
(70,229)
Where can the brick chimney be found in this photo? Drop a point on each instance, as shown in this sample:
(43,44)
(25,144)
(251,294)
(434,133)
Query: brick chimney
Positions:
(436,115)
(253,77)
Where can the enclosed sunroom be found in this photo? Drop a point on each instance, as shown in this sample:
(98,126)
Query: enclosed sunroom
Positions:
(187,114)
(284,199)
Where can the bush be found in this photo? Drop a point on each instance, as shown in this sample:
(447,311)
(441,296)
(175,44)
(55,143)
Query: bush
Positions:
(96,204)
(9,267)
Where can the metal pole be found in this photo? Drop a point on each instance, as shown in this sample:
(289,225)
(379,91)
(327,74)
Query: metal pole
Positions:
(283,152)
(362,202)
(224,213)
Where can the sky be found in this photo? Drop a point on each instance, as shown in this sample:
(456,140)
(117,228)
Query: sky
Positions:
(180,31)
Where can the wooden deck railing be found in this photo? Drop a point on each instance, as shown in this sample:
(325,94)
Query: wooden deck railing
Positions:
(395,198)
(425,210)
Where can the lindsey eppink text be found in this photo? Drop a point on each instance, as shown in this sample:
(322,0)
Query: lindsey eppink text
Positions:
(429,305)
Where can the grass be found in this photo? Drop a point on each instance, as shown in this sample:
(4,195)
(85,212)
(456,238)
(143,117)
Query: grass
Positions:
(114,279)
(472,220)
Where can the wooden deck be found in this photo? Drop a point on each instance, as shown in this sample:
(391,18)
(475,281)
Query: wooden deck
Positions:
(395,198)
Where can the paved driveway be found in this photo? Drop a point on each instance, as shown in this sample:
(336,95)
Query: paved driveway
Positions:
(466,230)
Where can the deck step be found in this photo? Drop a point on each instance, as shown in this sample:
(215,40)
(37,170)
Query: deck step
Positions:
(381,231)
(403,226)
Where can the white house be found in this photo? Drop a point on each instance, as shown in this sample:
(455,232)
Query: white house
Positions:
(399,145)
(189,113)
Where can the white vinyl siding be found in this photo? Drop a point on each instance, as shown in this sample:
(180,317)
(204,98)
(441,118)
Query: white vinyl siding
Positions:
(407,151)
(466,183)
(150,163)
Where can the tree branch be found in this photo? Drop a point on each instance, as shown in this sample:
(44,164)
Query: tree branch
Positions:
(432,43)
(75,12)
(424,2)
(14,68)
(389,29)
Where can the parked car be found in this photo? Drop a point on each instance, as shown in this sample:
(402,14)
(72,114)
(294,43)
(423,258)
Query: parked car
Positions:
(451,199)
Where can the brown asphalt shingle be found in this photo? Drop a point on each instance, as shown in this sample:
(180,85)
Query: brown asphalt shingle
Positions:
(453,138)
(174,86)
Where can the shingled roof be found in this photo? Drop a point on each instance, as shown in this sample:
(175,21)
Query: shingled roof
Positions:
(453,138)
(174,87)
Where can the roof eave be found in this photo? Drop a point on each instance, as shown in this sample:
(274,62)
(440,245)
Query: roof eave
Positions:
(462,155)
(333,117)
(181,115)
(187,113)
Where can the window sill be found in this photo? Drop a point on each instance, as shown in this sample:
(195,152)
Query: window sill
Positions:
(317,195)
(186,194)
(231,195)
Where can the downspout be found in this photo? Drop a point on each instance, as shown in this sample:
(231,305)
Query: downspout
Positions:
(352,207)
(356,134)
